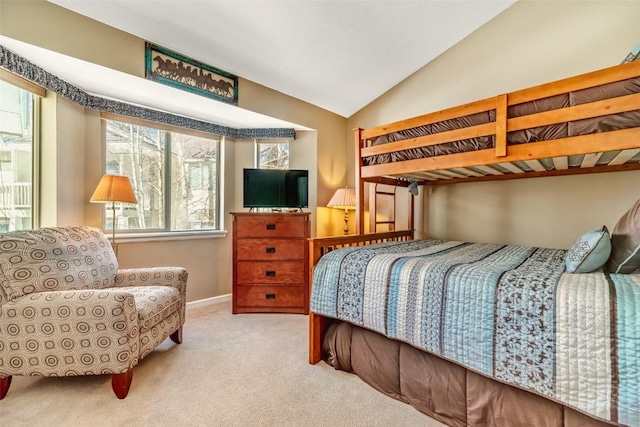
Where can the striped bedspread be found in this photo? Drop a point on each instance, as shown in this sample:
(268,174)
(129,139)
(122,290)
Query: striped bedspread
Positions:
(509,312)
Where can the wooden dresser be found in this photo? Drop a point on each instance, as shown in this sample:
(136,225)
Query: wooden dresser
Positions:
(270,262)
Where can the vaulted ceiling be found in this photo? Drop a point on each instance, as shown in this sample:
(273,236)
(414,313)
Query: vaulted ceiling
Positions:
(336,54)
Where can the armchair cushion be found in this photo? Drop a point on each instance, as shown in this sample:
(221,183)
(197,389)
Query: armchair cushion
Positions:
(55,259)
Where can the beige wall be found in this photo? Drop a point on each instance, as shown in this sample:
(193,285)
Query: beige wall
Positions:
(62,149)
(73,154)
(48,168)
(71,143)
(532,42)
(47,25)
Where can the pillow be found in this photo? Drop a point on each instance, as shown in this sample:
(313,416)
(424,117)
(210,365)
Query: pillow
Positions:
(625,242)
(589,252)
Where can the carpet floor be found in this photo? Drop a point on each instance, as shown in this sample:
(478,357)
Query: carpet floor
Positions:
(242,370)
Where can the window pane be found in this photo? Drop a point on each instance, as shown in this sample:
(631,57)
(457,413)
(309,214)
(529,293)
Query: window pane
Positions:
(139,153)
(16,154)
(273,155)
(194,182)
(174,176)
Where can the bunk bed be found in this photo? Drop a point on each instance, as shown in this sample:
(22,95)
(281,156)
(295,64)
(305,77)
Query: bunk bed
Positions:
(584,124)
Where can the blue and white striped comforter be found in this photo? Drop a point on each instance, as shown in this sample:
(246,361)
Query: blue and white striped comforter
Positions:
(509,312)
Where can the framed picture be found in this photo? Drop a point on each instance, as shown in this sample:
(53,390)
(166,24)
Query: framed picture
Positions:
(173,69)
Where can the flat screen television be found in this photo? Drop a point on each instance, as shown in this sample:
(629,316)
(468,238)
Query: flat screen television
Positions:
(276,188)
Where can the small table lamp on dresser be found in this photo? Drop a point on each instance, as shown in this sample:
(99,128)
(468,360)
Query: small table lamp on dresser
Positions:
(112,189)
(344,198)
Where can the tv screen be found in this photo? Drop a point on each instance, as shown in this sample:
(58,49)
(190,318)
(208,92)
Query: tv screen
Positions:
(275,188)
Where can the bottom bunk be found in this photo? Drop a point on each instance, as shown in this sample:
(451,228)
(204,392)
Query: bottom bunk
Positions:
(443,390)
(487,316)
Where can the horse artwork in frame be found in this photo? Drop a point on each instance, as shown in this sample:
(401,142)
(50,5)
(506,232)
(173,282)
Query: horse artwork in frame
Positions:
(173,69)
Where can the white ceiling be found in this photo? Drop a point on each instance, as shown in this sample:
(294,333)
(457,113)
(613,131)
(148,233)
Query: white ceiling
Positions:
(339,55)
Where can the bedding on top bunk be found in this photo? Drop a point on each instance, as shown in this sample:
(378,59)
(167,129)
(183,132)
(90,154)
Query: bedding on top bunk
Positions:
(605,123)
(511,313)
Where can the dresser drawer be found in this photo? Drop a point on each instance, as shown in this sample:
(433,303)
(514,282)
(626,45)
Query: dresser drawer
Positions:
(270,249)
(272,273)
(271,226)
(270,296)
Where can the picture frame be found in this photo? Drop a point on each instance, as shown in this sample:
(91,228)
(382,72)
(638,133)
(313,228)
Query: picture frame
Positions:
(165,66)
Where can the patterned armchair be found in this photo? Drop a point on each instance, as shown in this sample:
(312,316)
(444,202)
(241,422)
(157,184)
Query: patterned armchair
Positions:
(66,309)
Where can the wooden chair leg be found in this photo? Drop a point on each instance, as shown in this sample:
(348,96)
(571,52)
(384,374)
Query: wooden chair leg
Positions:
(120,383)
(5,383)
(176,337)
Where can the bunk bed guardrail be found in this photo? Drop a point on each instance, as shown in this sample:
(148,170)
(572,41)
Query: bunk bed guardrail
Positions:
(587,98)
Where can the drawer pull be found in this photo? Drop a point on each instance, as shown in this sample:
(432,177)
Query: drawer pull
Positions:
(271,226)
(270,273)
(271,250)
(270,296)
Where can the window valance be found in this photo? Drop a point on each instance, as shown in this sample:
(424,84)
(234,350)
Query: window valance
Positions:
(15,63)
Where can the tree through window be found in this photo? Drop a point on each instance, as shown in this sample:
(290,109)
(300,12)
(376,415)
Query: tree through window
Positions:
(272,155)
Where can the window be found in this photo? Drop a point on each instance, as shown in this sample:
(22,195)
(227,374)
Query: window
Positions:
(18,110)
(175,177)
(272,155)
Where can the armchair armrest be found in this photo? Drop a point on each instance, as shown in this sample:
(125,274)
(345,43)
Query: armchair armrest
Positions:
(72,332)
(156,276)
(152,276)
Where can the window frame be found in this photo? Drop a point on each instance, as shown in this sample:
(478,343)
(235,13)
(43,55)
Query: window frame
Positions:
(166,233)
(37,93)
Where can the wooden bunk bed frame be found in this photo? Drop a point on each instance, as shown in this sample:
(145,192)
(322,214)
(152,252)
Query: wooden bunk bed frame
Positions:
(454,168)
(322,245)
(477,165)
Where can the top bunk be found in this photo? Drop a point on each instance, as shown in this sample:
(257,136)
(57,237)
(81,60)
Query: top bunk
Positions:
(583,124)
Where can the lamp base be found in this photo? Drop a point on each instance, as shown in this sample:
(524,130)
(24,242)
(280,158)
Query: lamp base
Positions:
(114,246)
(346,222)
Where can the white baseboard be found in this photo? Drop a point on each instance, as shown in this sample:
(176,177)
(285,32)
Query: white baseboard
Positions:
(208,301)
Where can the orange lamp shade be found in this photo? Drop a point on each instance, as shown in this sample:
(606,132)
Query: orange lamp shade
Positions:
(114,188)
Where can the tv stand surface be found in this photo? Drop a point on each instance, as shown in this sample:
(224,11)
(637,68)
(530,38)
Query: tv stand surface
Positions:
(287,210)
(270,262)
(277,210)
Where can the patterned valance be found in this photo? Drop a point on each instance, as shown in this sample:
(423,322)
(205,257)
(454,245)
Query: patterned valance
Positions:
(30,71)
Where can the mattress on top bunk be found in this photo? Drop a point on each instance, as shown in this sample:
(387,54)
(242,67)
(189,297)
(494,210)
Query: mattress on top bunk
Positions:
(511,313)
(605,123)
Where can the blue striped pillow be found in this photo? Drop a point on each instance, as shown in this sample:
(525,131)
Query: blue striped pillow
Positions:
(589,252)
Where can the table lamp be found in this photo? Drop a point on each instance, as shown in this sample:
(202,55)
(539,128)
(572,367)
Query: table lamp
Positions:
(112,189)
(344,198)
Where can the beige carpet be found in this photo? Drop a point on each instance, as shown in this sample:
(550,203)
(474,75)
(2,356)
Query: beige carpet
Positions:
(242,370)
